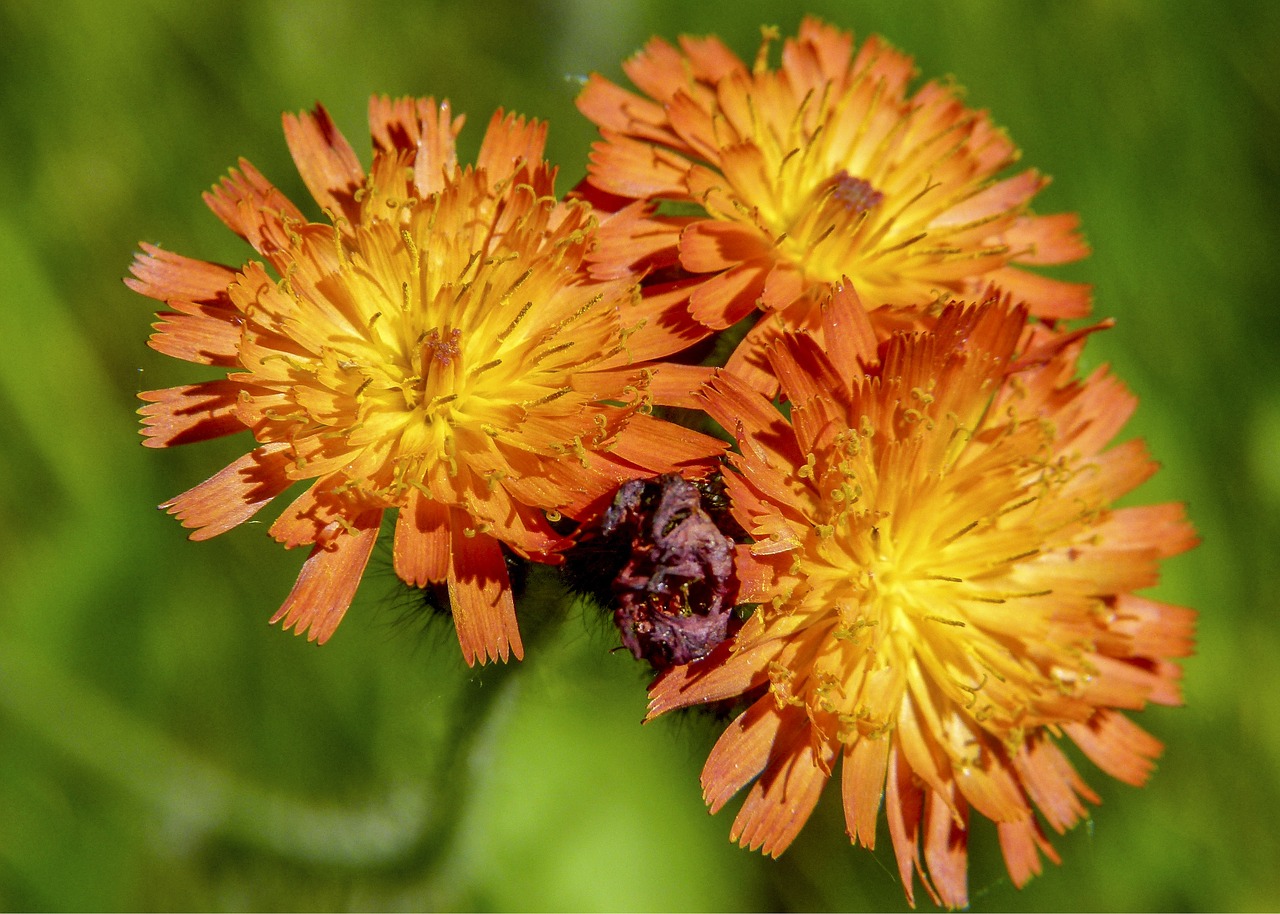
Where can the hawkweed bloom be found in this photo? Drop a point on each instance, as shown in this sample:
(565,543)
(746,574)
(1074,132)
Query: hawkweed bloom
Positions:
(430,347)
(829,166)
(946,591)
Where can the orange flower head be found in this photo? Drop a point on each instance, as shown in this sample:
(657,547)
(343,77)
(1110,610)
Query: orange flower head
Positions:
(431,347)
(946,588)
(826,167)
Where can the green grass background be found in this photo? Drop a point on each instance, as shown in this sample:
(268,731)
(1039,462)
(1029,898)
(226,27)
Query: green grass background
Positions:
(162,748)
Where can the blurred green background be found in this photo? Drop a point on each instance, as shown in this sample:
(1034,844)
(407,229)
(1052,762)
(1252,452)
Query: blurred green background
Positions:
(162,748)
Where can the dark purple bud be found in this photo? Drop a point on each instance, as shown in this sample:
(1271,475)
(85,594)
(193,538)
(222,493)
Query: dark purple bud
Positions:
(673,590)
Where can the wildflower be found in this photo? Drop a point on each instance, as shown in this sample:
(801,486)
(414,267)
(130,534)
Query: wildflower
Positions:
(946,590)
(432,348)
(827,167)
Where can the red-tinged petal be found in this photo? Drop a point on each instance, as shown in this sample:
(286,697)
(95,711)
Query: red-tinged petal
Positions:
(866,762)
(195,412)
(1124,684)
(946,851)
(254,209)
(803,370)
(1046,240)
(329,580)
(709,247)
(1052,783)
(781,801)
(1117,745)
(421,551)
(1022,842)
(1054,299)
(164,276)
(413,125)
(480,596)
(235,494)
(904,808)
(326,162)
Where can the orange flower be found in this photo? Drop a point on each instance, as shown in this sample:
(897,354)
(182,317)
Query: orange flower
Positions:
(433,347)
(945,587)
(824,168)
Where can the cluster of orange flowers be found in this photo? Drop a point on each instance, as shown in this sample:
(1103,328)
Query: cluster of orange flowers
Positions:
(934,585)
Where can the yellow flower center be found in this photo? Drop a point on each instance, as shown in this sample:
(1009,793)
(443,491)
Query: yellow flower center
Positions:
(439,338)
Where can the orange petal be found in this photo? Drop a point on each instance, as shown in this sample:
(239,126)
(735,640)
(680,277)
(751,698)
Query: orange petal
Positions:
(847,334)
(235,494)
(480,596)
(1054,299)
(750,361)
(710,246)
(861,785)
(163,275)
(1052,782)
(307,518)
(1009,194)
(611,107)
(510,143)
(630,243)
(662,321)
(635,169)
(989,785)
(329,579)
(254,209)
(194,412)
(946,850)
(756,575)
(709,57)
(1046,240)
(904,807)
(1117,745)
(658,69)
(420,553)
(1022,842)
(740,753)
(663,447)
(781,801)
(1163,528)
(1155,629)
(206,334)
(713,678)
(326,162)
